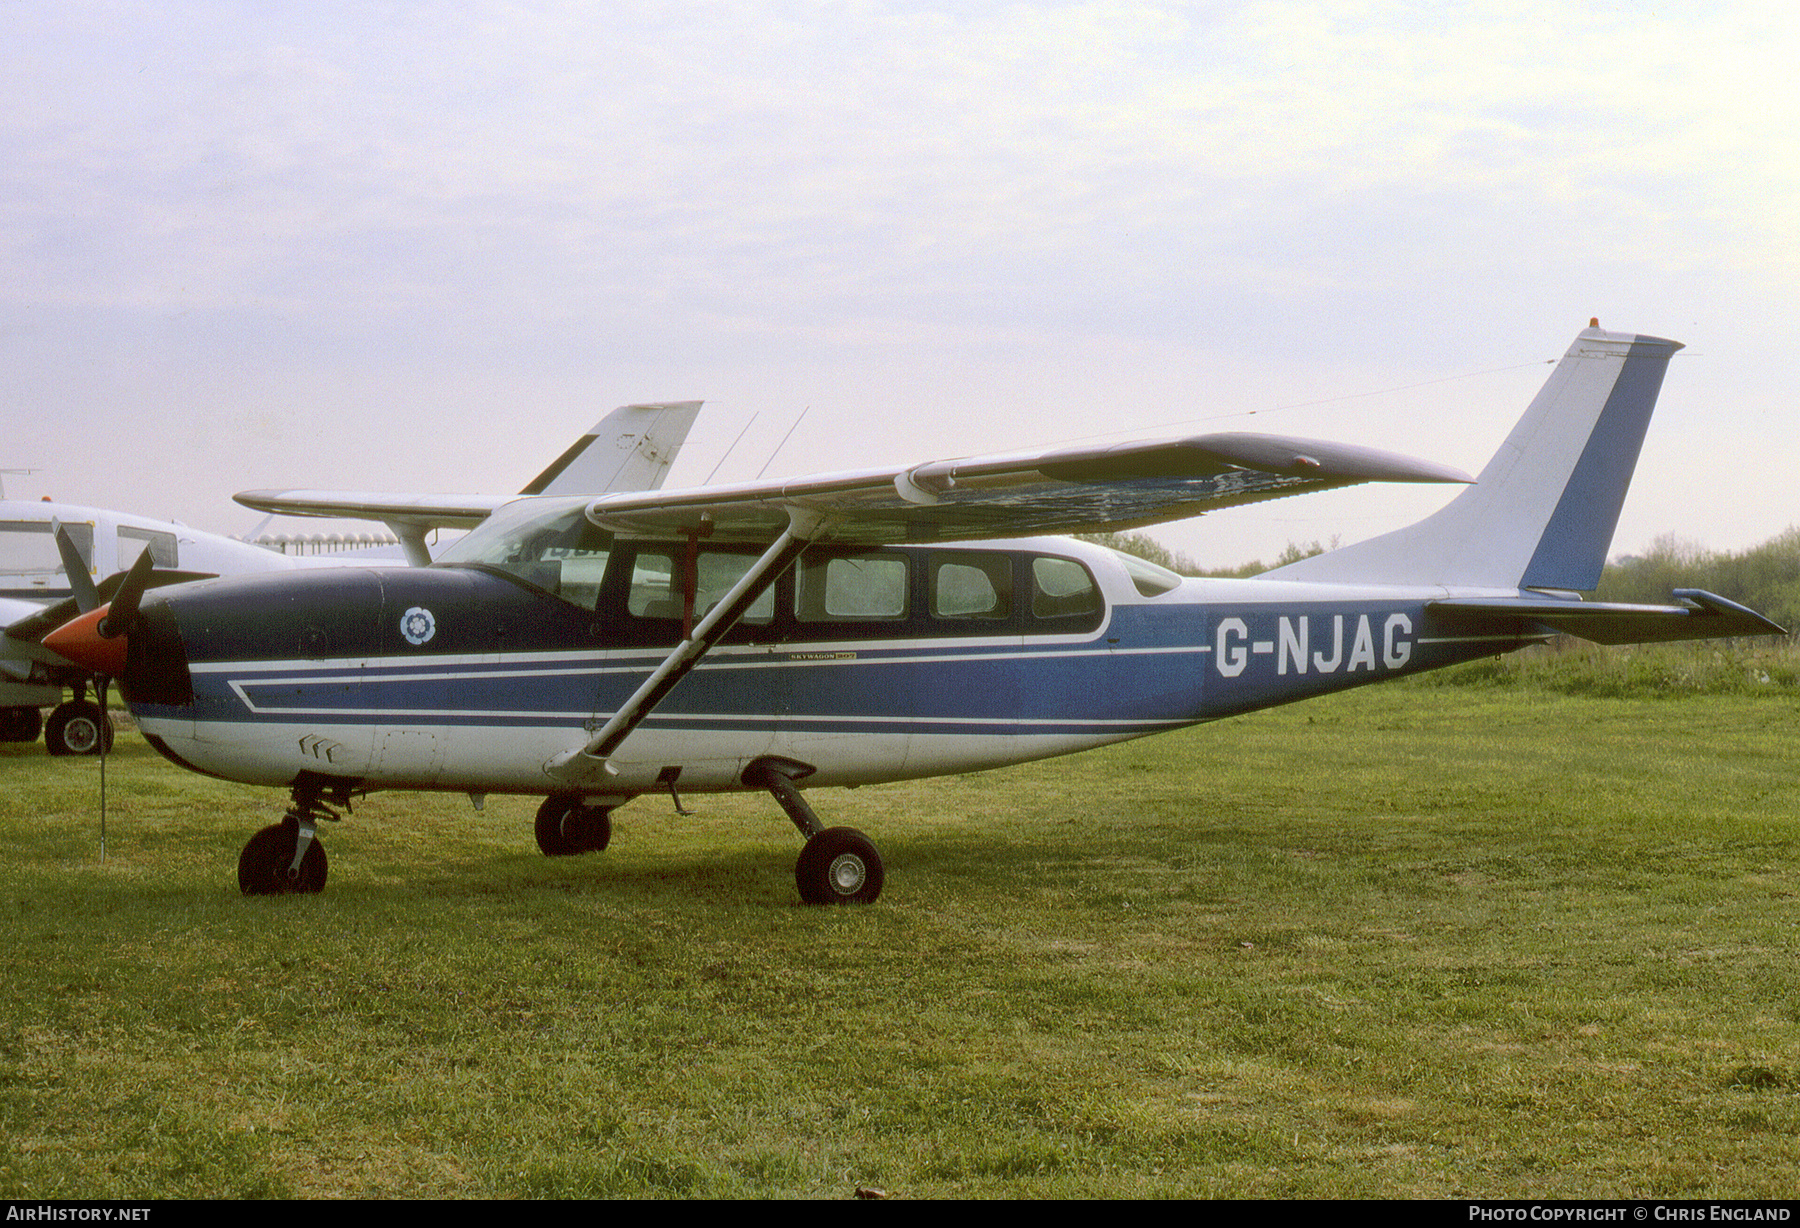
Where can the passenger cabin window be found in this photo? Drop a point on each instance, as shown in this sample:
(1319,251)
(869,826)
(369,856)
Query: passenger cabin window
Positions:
(646,590)
(971,586)
(853,588)
(658,589)
(1062,588)
(133,542)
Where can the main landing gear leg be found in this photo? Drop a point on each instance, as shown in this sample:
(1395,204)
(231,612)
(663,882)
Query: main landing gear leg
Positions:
(839,865)
(287,858)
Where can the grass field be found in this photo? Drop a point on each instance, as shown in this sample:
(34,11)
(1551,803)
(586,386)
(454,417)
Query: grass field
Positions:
(1486,940)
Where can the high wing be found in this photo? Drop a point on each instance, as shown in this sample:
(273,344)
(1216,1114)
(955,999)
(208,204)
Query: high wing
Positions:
(1122,486)
(1022,494)
(631,449)
(411,518)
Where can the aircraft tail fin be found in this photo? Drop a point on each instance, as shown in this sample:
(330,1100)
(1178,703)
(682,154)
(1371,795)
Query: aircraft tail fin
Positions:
(630,449)
(1543,511)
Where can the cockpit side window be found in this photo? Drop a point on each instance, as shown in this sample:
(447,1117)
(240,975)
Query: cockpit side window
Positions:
(28,549)
(133,542)
(555,549)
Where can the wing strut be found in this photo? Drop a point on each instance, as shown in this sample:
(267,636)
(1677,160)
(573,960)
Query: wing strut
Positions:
(584,763)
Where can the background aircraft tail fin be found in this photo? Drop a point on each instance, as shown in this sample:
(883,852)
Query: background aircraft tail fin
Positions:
(1543,511)
(630,449)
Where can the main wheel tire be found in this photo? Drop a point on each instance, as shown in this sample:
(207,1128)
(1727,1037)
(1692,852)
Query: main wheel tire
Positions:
(565,827)
(20,724)
(591,827)
(840,865)
(263,865)
(76,728)
(553,839)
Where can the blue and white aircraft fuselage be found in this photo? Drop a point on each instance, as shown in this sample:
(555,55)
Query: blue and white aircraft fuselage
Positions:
(490,693)
(864,627)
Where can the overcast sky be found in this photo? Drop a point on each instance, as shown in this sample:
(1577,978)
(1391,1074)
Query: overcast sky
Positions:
(422,247)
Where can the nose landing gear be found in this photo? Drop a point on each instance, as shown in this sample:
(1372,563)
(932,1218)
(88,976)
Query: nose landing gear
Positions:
(77,727)
(274,863)
(839,866)
(287,858)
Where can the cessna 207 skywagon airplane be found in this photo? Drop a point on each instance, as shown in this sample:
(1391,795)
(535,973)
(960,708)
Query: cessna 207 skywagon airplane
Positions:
(864,627)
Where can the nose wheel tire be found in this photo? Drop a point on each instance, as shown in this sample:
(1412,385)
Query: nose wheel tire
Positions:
(565,827)
(840,865)
(263,866)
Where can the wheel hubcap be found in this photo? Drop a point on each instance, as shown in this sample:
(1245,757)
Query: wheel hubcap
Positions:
(81,735)
(847,874)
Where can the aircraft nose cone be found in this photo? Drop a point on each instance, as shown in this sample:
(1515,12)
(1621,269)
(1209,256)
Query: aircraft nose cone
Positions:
(81,642)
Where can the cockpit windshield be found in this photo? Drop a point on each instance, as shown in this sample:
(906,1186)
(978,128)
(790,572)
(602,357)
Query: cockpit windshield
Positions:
(547,543)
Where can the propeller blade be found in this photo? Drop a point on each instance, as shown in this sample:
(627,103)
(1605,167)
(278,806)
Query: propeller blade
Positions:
(123,611)
(76,569)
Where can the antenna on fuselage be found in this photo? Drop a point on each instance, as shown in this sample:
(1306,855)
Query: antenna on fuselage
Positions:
(782,444)
(731,449)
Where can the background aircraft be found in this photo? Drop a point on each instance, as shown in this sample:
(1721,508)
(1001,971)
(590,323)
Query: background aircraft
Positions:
(631,449)
(866,626)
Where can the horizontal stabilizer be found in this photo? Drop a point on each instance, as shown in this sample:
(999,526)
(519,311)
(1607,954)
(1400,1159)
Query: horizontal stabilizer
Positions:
(1701,616)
